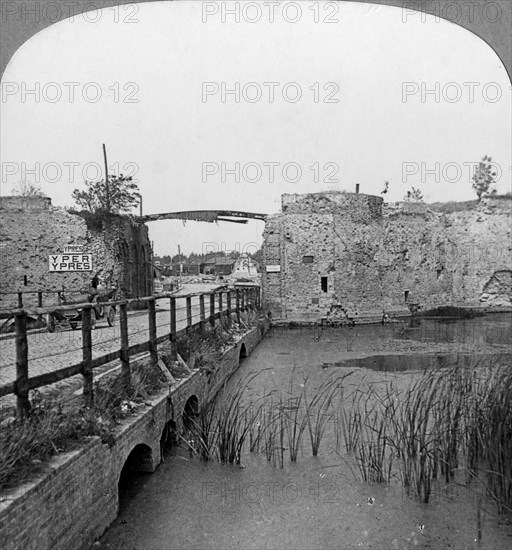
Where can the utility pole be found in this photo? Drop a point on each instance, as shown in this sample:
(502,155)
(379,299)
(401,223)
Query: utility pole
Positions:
(107,190)
(181,265)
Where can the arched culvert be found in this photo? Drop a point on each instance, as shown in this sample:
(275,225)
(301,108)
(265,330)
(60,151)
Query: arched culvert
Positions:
(168,437)
(243,354)
(190,412)
(134,474)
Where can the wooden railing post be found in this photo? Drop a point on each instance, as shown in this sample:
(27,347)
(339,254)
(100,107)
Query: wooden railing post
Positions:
(228,306)
(201,312)
(87,356)
(238,305)
(243,299)
(152,331)
(212,309)
(125,356)
(22,401)
(189,312)
(221,313)
(173,327)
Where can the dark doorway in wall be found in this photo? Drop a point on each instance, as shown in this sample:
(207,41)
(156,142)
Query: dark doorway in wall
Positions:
(406,295)
(323,284)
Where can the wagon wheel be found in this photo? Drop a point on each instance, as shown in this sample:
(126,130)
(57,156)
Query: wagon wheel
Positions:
(111,316)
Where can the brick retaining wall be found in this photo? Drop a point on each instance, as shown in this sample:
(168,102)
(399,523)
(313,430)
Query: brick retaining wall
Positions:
(77,499)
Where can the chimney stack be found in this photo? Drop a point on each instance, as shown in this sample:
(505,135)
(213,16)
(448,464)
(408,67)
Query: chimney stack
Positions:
(357,189)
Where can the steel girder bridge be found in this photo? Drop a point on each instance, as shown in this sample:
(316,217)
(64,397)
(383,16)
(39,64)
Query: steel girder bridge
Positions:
(210,216)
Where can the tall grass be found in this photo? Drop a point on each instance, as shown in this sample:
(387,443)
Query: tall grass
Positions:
(448,419)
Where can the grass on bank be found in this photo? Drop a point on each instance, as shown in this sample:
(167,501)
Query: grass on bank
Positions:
(54,426)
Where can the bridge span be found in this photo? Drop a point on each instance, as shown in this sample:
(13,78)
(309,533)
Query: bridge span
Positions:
(209,216)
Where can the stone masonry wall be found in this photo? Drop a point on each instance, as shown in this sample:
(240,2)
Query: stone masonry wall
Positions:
(348,256)
(31,229)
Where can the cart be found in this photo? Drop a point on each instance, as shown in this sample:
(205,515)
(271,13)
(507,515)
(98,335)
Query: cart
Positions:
(72,318)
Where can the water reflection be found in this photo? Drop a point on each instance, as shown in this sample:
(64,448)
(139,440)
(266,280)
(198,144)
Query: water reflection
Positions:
(489,330)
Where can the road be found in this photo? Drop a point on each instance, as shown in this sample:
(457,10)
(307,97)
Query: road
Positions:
(48,352)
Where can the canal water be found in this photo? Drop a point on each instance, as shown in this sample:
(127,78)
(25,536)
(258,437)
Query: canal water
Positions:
(318,501)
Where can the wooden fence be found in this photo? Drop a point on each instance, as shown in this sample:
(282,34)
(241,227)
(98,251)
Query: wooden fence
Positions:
(245,298)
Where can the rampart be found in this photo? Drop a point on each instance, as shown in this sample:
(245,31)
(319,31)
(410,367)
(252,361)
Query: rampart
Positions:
(347,256)
(31,230)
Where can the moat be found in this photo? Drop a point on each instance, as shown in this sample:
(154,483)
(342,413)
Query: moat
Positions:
(321,501)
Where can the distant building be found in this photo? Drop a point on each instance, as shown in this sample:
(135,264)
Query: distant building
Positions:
(218,265)
(245,266)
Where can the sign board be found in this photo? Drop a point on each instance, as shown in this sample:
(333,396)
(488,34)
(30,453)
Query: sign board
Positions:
(74,249)
(273,268)
(70,262)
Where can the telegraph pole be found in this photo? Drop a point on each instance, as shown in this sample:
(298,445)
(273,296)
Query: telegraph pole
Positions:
(181,265)
(107,190)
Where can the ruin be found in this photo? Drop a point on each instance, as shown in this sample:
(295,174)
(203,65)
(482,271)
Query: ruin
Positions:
(32,229)
(350,257)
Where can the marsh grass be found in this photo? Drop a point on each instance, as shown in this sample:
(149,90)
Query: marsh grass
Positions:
(447,419)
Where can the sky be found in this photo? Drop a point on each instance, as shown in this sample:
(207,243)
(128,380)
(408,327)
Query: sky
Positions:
(321,99)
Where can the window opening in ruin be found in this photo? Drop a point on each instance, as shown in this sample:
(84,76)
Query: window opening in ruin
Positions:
(25,280)
(439,273)
(406,295)
(307,259)
(324,284)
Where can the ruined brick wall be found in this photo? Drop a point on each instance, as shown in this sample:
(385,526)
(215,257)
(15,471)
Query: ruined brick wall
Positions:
(31,229)
(347,255)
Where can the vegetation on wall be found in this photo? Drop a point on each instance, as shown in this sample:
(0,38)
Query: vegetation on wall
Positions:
(484,178)
(27,189)
(413,195)
(117,196)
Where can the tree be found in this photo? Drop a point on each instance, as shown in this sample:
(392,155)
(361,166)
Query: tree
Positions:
(123,195)
(257,256)
(26,189)
(484,178)
(414,195)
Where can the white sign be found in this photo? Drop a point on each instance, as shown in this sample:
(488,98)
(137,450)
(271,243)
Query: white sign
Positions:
(273,268)
(70,262)
(74,249)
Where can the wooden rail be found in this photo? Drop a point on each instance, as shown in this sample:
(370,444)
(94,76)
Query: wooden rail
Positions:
(247,297)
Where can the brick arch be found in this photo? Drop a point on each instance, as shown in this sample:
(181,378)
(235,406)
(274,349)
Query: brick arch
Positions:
(141,458)
(17,30)
(243,353)
(190,411)
(497,291)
